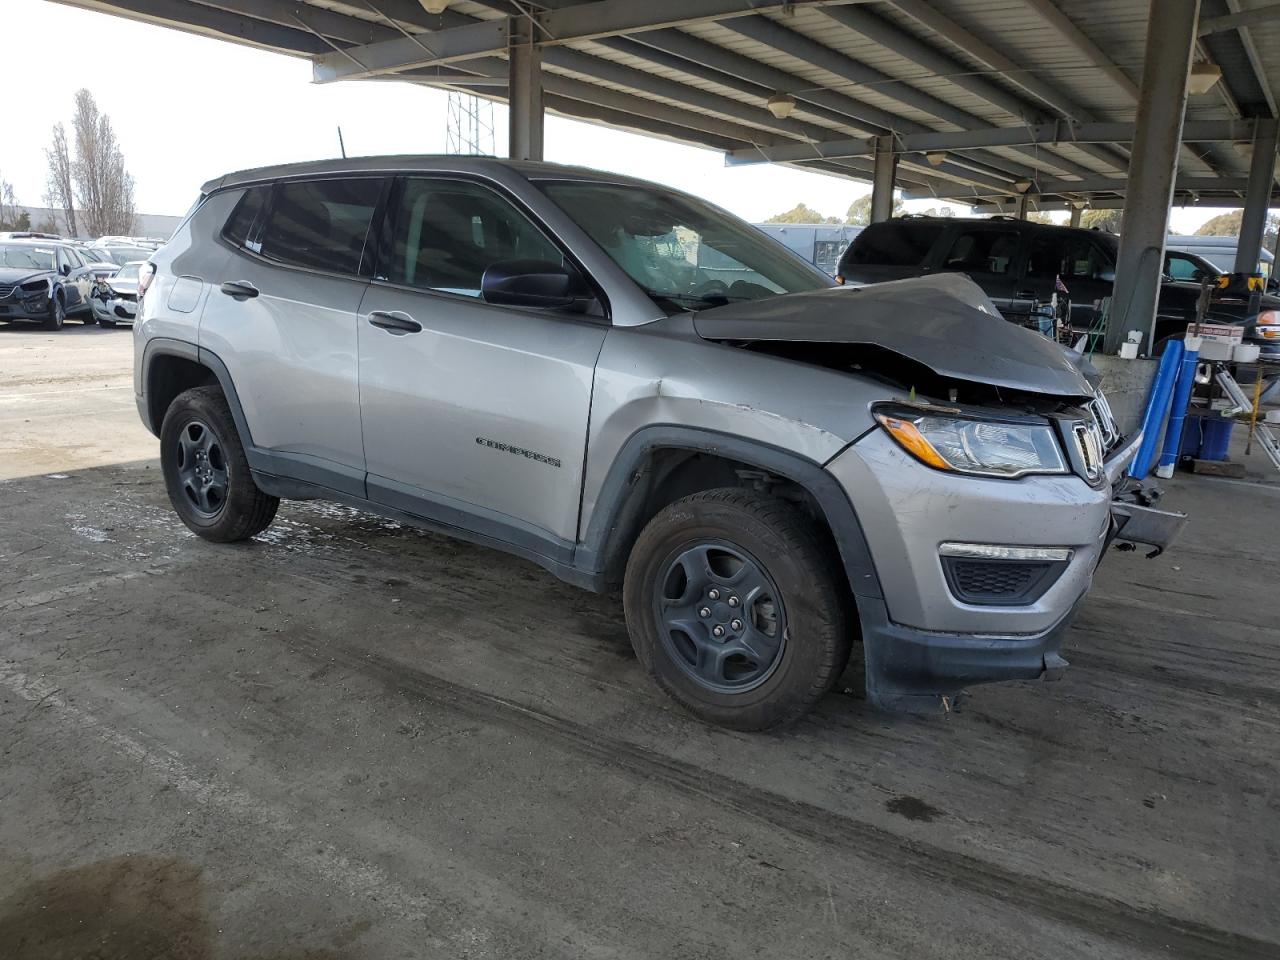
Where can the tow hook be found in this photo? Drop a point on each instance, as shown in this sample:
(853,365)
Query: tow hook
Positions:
(1054,667)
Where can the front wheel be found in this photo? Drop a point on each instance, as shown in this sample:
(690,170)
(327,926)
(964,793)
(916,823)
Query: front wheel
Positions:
(736,608)
(206,471)
(57,313)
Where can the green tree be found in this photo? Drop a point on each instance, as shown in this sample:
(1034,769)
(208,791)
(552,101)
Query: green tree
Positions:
(1228,225)
(801,214)
(1102,219)
(859,212)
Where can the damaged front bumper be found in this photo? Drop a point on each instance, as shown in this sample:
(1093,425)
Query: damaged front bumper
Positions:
(952,609)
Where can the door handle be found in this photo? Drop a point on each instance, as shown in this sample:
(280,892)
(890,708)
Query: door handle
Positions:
(239,289)
(393,321)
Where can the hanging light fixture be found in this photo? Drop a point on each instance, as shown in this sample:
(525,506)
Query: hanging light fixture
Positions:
(1022,186)
(781,105)
(435,7)
(935,157)
(1202,78)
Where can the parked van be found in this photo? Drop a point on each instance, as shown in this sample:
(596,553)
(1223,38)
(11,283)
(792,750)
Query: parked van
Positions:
(819,243)
(1220,251)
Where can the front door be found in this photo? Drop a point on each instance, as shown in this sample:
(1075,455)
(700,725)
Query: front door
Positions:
(1075,259)
(474,414)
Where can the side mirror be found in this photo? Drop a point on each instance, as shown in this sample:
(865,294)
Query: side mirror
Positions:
(65,269)
(533,283)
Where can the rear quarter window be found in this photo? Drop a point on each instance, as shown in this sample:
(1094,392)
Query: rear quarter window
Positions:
(894,244)
(240,225)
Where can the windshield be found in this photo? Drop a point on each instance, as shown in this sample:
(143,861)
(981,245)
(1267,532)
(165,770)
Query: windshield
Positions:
(686,254)
(34,258)
(123,255)
(128,272)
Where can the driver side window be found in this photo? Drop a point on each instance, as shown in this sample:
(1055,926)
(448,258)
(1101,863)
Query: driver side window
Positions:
(446,233)
(1182,268)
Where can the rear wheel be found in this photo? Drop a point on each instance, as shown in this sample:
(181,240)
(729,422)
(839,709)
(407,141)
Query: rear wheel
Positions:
(57,313)
(206,471)
(736,609)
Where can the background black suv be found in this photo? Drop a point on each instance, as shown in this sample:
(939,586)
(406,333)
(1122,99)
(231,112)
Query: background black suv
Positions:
(1016,261)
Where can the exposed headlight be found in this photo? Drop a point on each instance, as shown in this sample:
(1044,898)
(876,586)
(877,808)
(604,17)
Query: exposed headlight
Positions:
(1268,326)
(984,447)
(36,286)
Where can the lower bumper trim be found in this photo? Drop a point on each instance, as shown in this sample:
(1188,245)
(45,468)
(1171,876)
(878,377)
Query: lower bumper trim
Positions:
(910,669)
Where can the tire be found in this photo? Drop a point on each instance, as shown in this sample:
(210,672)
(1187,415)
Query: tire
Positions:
(104,322)
(733,533)
(206,471)
(57,313)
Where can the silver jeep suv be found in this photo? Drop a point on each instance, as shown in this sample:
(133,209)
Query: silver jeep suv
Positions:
(630,387)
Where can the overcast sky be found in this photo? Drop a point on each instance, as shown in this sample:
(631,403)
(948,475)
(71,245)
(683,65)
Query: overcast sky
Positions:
(187,108)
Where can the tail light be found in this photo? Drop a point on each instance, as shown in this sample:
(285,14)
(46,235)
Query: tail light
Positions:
(1268,325)
(145,275)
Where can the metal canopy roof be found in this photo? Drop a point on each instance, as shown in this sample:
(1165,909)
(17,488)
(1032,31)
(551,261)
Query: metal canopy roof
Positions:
(1007,95)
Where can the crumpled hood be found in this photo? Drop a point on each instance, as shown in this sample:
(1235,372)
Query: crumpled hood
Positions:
(945,322)
(20,274)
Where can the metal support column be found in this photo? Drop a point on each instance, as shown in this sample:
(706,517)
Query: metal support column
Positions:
(1171,36)
(886,168)
(524,92)
(1257,197)
(1075,215)
(1024,205)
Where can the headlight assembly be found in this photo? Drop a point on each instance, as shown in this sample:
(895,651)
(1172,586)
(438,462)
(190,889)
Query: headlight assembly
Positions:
(948,440)
(35,286)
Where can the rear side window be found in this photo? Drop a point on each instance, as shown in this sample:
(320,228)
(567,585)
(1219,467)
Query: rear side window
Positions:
(241,222)
(899,243)
(1066,257)
(320,224)
(983,250)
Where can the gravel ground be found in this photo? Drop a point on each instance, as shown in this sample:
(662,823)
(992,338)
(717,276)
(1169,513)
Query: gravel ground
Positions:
(347,739)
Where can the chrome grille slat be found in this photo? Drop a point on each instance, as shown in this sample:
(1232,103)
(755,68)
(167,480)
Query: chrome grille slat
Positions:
(6,289)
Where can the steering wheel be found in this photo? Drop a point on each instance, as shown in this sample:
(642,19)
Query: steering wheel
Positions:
(711,290)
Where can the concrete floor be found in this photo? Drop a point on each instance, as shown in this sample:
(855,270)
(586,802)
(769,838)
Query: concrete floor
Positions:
(351,740)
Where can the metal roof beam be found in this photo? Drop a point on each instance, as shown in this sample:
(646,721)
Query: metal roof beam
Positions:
(1030,82)
(675,92)
(753,82)
(586,21)
(1242,18)
(1065,28)
(1038,134)
(336,26)
(207,21)
(772,34)
(1190,186)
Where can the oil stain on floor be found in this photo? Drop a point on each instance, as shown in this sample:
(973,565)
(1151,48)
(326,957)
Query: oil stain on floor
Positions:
(125,908)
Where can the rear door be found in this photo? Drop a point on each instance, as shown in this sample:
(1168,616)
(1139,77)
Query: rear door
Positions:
(990,255)
(474,414)
(282,317)
(1079,261)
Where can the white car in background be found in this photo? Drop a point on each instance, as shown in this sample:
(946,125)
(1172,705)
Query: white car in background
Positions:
(115,299)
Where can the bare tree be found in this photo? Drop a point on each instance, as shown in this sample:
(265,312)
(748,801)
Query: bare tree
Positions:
(104,188)
(58,191)
(8,206)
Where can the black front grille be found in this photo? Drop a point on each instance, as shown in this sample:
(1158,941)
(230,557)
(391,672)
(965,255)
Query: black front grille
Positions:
(6,289)
(1000,582)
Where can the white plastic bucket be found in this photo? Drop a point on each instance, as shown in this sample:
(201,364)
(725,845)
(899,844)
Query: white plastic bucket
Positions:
(1245,352)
